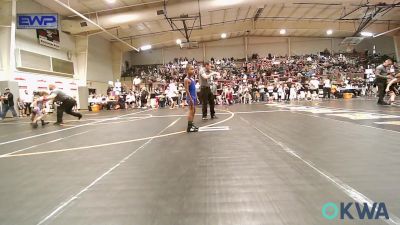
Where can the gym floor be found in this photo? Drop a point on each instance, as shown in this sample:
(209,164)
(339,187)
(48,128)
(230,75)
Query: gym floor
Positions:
(255,164)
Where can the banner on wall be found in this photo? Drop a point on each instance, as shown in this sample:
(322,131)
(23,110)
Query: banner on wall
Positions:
(49,37)
(38,82)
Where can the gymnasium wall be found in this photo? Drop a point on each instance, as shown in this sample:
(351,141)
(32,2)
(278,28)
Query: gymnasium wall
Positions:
(99,62)
(263,46)
(153,56)
(26,39)
(174,52)
(4,46)
(383,45)
(225,48)
(235,47)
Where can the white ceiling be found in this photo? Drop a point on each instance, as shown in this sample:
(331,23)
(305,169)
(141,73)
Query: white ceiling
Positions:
(311,19)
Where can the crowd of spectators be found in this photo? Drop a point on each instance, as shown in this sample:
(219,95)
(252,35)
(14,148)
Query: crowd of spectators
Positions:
(260,79)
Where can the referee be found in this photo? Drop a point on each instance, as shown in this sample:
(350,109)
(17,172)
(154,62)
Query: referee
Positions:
(67,103)
(381,73)
(207,96)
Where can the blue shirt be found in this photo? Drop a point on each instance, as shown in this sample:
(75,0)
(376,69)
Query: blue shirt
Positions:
(192,88)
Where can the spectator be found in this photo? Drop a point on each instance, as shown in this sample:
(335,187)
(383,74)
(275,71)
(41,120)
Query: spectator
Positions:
(21,107)
(27,100)
(8,103)
(327,88)
(144,95)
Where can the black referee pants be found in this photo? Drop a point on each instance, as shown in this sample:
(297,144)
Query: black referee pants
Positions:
(66,106)
(381,83)
(207,98)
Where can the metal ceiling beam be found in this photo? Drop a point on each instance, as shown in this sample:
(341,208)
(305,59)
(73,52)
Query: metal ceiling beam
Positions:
(351,12)
(294,10)
(237,14)
(333,13)
(95,24)
(323,10)
(308,11)
(248,11)
(386,32)
(118,8)
(281,9)
(186,31)
(271,7)
(168,38)
(315,23)
(224,15)
(184,18)
(366,20)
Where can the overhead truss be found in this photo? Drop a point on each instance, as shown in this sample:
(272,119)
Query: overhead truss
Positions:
(188,22)
(372,11)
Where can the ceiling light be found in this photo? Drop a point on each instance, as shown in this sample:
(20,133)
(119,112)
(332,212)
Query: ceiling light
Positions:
(178,41)
(367,34)
(223,35)
(111,1)
(145,47)
(282,31)
(123,18)
(226,2)
(329,32)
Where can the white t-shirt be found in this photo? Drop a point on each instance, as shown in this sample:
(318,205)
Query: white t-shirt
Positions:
(327,83)
(129,98)
(261,88)
(27,98)
(92,100)
(172,90)
(137,81)
(314,84)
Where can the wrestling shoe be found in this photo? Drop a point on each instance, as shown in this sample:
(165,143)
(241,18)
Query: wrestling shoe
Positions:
(383,103)
(34,125)
(192,129)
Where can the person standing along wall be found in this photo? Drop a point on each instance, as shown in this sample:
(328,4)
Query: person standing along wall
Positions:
(8,104)
(27,99)
(327,88)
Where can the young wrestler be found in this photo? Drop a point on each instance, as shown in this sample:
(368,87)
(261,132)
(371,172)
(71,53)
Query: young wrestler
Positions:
(191,97)
(38,109)
(391,89)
